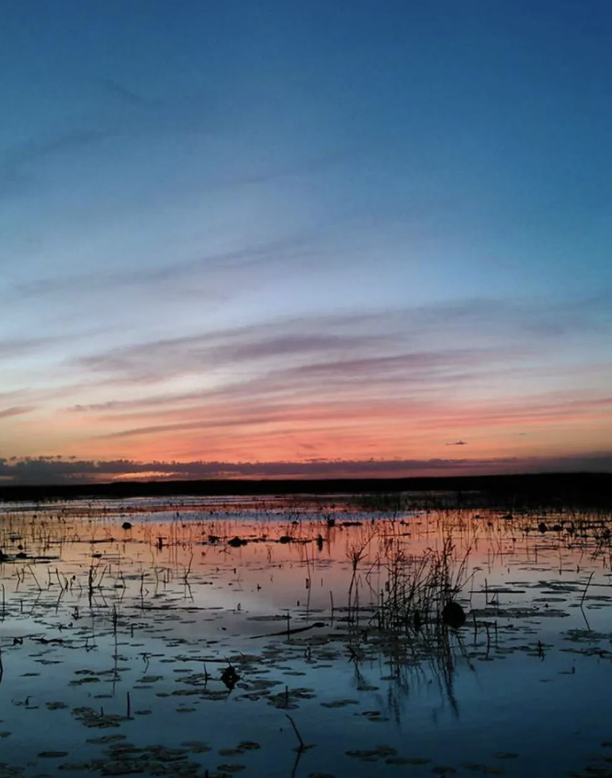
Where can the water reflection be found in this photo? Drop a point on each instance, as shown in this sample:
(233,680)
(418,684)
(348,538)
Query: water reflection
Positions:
(133,615)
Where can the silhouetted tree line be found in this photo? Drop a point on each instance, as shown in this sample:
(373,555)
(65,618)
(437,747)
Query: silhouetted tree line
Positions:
(509,491)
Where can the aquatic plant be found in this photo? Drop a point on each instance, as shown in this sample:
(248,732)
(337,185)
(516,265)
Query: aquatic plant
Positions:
(356,552)
(418,589)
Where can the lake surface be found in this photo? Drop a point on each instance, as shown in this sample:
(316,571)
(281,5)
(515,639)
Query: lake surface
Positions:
(173,647)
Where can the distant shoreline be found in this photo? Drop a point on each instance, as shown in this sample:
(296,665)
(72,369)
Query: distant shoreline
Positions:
(590,489)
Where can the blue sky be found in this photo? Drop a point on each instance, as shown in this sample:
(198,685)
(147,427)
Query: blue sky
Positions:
(234,192)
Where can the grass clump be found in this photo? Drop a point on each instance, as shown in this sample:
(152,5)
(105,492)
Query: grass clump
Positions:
(419,589)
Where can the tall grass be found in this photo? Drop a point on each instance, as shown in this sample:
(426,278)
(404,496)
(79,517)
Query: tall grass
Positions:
(419,587)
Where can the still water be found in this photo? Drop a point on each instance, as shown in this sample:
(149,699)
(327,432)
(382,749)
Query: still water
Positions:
(194,637)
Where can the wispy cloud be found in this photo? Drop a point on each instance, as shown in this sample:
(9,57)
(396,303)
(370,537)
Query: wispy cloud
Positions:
(218,275)
(354,368)
(17,347)
(120,91)
(348,383)
(14,411)
(503,324)
(389,354)
(350,339)
(418,414)
(18,163)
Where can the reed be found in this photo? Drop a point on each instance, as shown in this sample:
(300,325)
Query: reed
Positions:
(418,588)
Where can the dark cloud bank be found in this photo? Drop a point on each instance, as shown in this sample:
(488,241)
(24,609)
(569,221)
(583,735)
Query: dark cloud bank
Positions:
(57,470)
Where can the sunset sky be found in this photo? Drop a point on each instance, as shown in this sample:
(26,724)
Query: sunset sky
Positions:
(292,237)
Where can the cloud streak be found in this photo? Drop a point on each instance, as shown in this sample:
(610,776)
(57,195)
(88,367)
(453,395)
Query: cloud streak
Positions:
(218,267)
(18,347)
(397,383)
(480,322)
(15,411)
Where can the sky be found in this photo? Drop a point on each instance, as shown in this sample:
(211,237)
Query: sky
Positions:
(268,238)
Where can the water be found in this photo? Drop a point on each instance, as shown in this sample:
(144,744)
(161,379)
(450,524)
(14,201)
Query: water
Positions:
(114,641)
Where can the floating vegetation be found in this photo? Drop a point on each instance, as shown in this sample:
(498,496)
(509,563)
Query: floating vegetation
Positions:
(239,633)
(92,718)
(52,754)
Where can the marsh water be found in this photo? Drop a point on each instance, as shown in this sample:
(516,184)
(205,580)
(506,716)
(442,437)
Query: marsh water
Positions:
(194,637)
